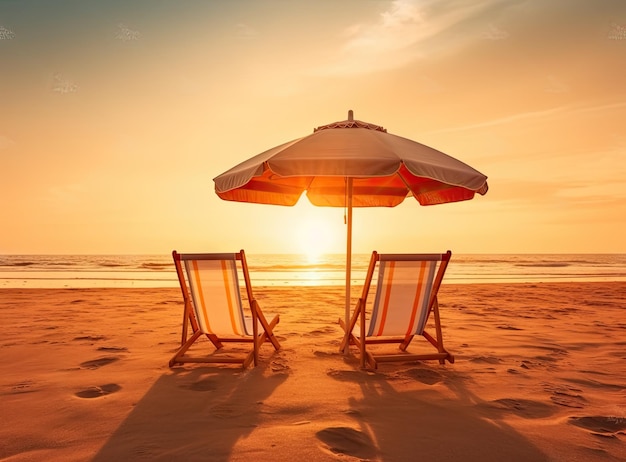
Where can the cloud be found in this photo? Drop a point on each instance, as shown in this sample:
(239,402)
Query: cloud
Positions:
(398,35)
(495,33)
(245,32)
(609,189)
(572,109)
(555,85)
(395,30)
(6,142)
(386,43)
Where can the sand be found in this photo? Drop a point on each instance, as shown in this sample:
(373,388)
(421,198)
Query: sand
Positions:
(540,374)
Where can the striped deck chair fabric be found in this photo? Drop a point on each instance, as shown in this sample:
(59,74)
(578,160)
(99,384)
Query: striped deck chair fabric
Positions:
(405,296)
(213,307)
(214,286)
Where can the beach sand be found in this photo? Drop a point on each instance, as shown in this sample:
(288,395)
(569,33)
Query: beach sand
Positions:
(540,374)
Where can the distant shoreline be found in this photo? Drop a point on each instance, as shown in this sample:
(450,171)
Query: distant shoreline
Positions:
(286,270)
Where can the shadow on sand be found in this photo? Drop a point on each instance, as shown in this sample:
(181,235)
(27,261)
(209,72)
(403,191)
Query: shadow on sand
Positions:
(405,425)
(159,426)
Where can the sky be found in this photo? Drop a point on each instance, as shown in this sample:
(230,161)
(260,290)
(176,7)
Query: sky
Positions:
(116,116)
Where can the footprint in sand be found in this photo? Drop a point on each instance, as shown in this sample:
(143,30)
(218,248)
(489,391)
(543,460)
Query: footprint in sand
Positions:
(525,408)
(26,386)
(322,331)
(89,337)
(97,391)
(486,360)
(354,375)
(201,385)
(113,349)
(568,400)
(597,384)
(279,365)
(326,354)
(96,363)
(566,396)
(225,411)
(427,376)
(601,425)
(527,364)
(348,441)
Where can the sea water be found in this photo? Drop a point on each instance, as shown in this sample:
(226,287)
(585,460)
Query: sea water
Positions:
(80,271)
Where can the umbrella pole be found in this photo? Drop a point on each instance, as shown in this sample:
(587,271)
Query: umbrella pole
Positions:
(348,259)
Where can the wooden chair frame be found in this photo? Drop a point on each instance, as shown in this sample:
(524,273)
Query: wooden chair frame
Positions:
(359,315)
(190,320)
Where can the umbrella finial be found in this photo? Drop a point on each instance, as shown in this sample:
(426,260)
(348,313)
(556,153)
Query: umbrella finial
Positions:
(350,115)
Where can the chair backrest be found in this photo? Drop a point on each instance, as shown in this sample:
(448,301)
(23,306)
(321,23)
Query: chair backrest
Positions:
(405,293)
(213,284)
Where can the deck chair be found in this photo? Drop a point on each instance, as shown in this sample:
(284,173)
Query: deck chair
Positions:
(405,296)
(213,308)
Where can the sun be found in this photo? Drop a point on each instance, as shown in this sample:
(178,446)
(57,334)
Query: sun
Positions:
(315,231)
(313,241)
(316,234)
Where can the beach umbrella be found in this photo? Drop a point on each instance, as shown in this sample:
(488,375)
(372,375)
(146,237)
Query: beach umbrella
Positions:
(350,164)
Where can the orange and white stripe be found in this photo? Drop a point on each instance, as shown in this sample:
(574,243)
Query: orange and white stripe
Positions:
(402,297)
(216,282)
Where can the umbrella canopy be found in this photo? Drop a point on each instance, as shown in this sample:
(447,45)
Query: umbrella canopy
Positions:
(350,164)
(385,169)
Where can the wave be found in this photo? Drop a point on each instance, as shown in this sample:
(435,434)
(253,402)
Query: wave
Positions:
(156,266)
(544,265)
(293,269)
(540,259)
(300,267)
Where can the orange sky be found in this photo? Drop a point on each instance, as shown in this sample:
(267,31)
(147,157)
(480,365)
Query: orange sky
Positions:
(116,116)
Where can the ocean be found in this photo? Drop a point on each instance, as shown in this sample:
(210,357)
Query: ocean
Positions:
(141,271)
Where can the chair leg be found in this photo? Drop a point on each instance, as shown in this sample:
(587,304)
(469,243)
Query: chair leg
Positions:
(184,347)
(440,347)
(405,343)
(215,341)
(370,359)
(346,336)
(269,332)
(438,343)
(348,329)
(269,328)
(248,359)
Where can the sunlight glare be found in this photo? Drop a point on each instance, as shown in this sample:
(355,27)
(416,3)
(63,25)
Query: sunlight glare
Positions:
(315,236)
